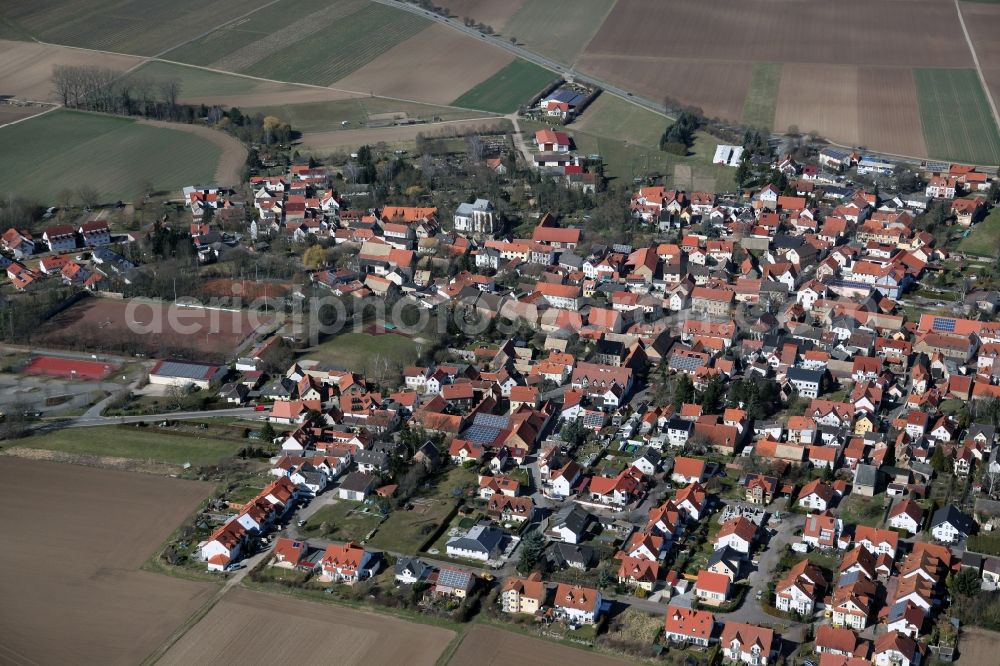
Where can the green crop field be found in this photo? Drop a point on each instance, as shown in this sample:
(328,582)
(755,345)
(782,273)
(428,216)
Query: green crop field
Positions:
(559,29)
(69,149)
(956,117)
(762,97)
(197,82)
(298,17)
(508,89)
(984,239)
(332,53)
(140,27)
(149,443)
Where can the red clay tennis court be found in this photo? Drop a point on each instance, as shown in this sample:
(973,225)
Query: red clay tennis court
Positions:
(50,366)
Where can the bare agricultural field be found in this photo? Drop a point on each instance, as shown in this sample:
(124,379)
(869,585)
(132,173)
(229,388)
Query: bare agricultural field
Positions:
(252,627)
(924,33)
(339,140)
(81,597)
(718,88)
(99,324)
(434,66)
(490,12)
(490,646)
(977,646)
(819,98)
(26,67)
(888,116)
(983,23)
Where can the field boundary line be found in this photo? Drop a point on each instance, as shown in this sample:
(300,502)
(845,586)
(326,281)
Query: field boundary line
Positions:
(979,69)
(51,108)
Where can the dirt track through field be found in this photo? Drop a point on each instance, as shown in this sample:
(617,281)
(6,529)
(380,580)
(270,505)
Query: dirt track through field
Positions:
(434,66)
(983,23)
(252,627)
(234,153)
(74,539)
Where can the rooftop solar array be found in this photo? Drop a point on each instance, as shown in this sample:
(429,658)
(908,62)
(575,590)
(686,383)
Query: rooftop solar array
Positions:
(944,324)
(686,362)
(497,421)
(186,370)
(481,434)
(453,578)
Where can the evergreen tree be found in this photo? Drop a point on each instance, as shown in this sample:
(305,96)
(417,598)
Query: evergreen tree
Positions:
(531,551)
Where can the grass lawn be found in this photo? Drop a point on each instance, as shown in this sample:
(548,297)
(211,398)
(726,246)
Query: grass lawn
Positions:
(356,351)
(68,149)
(134,443)
(988,544)
(325,116)
(506,90)
(762,97)
(984,239)
(340,48)
(625,160)
(349,522)
(559,29)
(861,510)
(406,530)
(956,117)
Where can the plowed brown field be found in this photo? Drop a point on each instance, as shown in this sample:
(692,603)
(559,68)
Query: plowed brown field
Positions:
(435,66)
(490,646)
(718,88)
(253,628)
(74,539)
(888,117)
(908,33)
(819,98)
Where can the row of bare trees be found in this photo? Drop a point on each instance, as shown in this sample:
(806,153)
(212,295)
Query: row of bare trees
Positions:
(102,89)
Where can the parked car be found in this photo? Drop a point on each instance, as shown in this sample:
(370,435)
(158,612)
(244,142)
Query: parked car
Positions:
(260,408)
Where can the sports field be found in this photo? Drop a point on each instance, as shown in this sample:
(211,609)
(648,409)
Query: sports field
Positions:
(762,97)
(984,239)
(358,350)
(141,27)
(509,88)
(956,117)
(74,541)
(559,29)
(68,149)
(156,329)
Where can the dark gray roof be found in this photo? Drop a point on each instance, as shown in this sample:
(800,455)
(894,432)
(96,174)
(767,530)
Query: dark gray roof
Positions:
(357,481)
(866,475)
(453,578)
(414,565)
(949,514)
(481,538)
(574,517)
(728,556)
(797,374)
(565,554)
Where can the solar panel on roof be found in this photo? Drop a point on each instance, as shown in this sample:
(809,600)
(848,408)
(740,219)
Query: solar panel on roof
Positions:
(481,434)
(944,324)
(186,370)
(498,421)
(453,578)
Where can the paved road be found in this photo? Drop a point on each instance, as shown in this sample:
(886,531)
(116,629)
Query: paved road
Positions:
(521,52)
(94,421)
